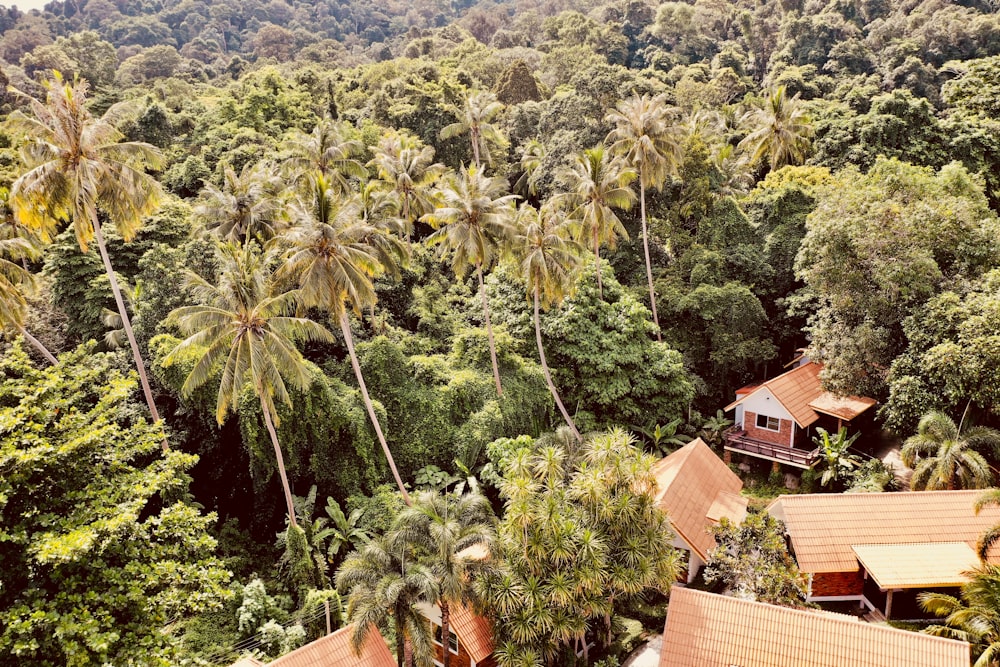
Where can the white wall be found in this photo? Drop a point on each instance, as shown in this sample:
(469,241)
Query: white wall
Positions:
(763,402)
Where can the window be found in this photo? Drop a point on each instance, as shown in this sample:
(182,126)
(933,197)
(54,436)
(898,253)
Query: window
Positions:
(452,638)
(770,423)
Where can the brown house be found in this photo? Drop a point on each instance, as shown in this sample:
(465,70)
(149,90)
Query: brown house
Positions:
(881,549)
(470,637)
(708,630)
(776,420)
(335,650)
(696,489)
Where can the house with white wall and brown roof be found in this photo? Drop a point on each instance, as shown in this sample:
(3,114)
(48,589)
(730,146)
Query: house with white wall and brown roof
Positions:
(333,650)
(696,490)
(470,636)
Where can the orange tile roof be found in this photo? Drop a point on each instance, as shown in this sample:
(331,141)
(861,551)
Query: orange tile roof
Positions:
(708,630)
(695,488)
(824,527)
(474,632)
(335,651)
(895,566)
(248,661)
(842,407)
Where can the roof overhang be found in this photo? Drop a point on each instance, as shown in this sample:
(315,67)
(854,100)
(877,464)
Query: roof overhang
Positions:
(927,565)
(841,407)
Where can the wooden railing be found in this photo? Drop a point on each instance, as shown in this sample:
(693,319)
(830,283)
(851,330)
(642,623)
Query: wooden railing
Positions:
(737,441)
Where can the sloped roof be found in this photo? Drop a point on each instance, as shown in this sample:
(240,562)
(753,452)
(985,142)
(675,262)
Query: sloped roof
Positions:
(248,661)
(800,392)
(824,527)
(696,489)
(474,631)
(335,651)
(708,630)
(917,565)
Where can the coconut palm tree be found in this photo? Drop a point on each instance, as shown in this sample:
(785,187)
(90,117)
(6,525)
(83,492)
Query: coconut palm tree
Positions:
(242,324)
(599,185)
(548,261)
(248,205)
(441,527)
(989,498)
(333,255)
(327,149)
(975,618)
(531,161)
(474,222)
(651,146)
(384,583)
(944,457)
(14,278)
(480,108)
(780,130)
(79,170)
(408,170)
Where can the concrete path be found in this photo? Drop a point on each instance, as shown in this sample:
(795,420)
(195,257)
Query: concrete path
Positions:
(647,655)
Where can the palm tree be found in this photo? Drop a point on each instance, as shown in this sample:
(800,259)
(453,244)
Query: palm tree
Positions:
(441,527)
(548,260)
(989,498)
(328,150)
(334,257)
(241,324)
(780,130)
(975,618)
(944,457)
(835,458)
(247,206)
(79,170)
(480,109)
(408,170)
(474,222)
(644,137)
(531,161)
(13,279)
(384,583)
(599,184)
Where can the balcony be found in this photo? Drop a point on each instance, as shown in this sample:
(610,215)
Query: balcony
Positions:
(737,441)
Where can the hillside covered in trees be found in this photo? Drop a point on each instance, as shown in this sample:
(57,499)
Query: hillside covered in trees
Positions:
(269,268)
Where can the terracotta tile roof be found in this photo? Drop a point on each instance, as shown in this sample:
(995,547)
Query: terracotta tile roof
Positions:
(707,630)
(917,565)
(800,387)
(248,662)
(695,488)
(824,527)
(474,632)
(335,651)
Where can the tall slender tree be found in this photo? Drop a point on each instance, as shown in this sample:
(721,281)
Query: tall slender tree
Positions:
(242,324)
(474,222)
(334,256)
(780,130)
(599,184)
(943,456)
(408,170)
(644,136)
(475,118)
(14,278)
(548,259)
(79,170)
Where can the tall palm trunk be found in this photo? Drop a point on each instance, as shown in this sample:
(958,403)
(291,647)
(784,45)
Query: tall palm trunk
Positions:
(645,248)
(127,325)
(38,345)
(489,329)
(445,633)
(474,135)
(281,460)
(345,328)
(597,264)
(400,644)
(408,652)
(548,376)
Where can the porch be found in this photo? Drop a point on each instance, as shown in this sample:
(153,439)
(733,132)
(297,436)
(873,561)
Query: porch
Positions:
(737,441)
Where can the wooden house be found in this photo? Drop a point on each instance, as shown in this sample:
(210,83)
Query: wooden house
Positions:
(335,650)
(470,637)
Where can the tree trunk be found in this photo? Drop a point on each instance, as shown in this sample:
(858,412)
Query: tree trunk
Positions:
(645,248)
(400,650)
(445,630)
(548,376)
(345,328)
(474,135)
(408,652)
(38,345)
(127,324)
(597,264)
(281,461)
(489,329)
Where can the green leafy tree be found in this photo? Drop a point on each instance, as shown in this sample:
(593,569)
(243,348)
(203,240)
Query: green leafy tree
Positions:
(97,555)
(79,170)
(474,221)
(943,456)
(779,130)
(241,325)
(975,618)
(836,461)
(248,206)
(664,438)
(346,531)
(713,427)
(14,280)
(475,118)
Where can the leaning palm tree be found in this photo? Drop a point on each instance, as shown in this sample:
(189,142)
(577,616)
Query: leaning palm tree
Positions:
(780,130)
(599,185)
(441,527)
(944,457)
(79,170)
(384,584)
(334,255)
(975,618)
(548,258)
(248,206)
(242,325)
(14,278)
(474,222)
(480,108)
(989,498)
(408,170)
(651,146)
(328,149)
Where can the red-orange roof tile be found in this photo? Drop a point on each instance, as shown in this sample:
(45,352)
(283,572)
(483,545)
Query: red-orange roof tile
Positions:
(695,488)
(474,632)
(335,651)
(824,527)
(708,630)
(895,566)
